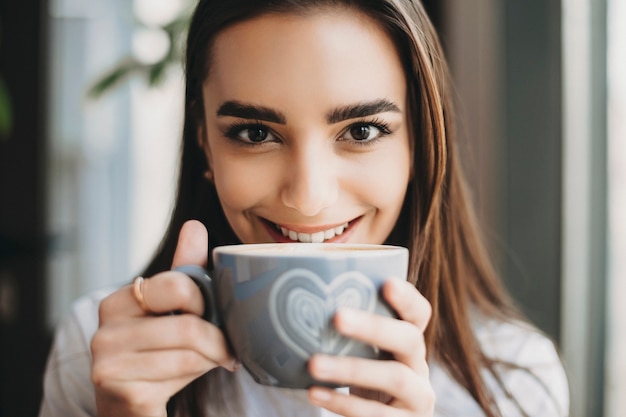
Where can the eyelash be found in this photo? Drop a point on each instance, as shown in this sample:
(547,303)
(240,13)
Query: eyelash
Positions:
(381,125)
(237,128)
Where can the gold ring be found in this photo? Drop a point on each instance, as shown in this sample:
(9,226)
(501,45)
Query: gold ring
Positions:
(138,293)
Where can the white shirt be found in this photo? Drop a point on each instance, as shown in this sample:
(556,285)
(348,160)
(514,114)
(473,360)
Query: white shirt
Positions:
(68,390)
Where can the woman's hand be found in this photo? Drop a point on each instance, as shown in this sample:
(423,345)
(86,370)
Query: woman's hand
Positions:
(142,358)
(403,380)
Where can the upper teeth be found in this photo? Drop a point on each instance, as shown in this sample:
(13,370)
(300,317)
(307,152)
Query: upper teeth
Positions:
(317,237)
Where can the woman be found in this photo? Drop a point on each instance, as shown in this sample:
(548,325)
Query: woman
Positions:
(315,121)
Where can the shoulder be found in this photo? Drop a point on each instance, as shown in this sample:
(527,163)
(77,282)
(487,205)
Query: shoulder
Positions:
(67,378)
(528,374)
(73,334)
(528,368)
(512,340)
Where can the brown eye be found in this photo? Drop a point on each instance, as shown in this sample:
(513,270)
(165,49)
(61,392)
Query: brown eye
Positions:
(361,132)
(365,132)
(251,133)
(256,134)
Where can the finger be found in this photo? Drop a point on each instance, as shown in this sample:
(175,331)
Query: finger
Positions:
(407,302)
(172,291)
(354,406)
(160,334)
(409,390)
(139,398)
(153,366)
(401,338)
(192,246)
(163,293)
(347,405)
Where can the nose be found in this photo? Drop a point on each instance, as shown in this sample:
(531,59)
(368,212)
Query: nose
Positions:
(311,180)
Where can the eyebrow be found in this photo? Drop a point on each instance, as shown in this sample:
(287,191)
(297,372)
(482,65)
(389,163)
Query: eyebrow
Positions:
(250,111)
(352,111)
(364,109)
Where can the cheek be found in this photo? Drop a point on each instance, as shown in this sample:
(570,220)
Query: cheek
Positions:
(390,183)
(241,186)
(386,179)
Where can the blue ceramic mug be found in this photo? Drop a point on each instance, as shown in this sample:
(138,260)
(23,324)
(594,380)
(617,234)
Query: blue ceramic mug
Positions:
(275,302)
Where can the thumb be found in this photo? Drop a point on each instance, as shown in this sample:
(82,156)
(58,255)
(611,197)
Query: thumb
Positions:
(193,245)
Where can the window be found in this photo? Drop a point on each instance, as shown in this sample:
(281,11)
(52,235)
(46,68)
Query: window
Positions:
(111,169)
(616,308)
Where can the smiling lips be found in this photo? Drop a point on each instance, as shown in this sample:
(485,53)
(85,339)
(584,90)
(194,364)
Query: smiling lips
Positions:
(317,237)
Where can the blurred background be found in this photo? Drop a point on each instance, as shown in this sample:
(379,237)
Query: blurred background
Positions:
(91,96)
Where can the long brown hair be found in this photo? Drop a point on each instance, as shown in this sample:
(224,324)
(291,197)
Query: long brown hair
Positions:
(448,261)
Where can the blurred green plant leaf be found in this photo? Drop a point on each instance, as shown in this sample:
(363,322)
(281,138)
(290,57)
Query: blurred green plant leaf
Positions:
(154,73)
(6,111)
(115,76)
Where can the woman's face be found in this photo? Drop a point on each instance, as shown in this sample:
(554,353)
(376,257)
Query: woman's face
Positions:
(306,128)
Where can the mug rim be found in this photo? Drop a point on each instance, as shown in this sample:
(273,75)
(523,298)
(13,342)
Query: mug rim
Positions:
(360,250)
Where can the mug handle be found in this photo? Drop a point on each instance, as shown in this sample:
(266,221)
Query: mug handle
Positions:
(202,279)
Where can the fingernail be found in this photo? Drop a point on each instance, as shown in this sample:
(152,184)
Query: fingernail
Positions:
(234,365)
(395,286)
(319,394)
(322,366)
(346,318)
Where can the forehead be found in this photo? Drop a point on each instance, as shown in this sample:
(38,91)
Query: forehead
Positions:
(325,54)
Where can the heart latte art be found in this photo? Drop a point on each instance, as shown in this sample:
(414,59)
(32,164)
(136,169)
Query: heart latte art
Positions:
(303,305)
